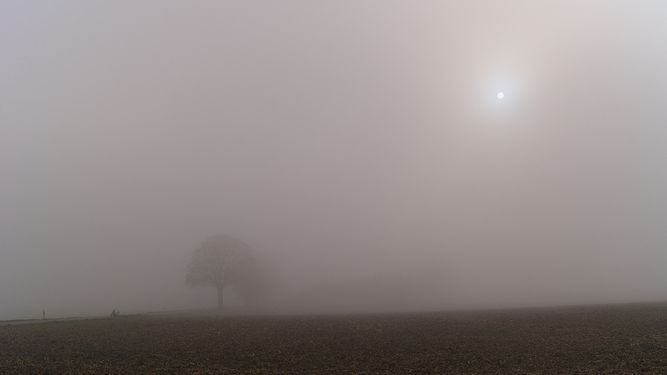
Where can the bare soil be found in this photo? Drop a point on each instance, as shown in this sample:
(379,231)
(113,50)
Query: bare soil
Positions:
(620,339)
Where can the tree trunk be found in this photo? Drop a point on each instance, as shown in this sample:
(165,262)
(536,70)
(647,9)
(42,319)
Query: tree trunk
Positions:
(220,294)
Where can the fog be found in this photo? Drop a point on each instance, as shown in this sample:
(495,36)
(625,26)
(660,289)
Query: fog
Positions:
(357,146)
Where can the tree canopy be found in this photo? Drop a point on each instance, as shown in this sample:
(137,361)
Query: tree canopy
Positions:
(219,263)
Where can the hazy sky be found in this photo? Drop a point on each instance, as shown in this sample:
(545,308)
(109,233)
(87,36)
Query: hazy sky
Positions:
(346,141)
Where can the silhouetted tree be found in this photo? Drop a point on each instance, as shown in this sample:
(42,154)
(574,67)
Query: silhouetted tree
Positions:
(218,263)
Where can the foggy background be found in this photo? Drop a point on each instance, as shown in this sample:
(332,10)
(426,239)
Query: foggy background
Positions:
(357,146)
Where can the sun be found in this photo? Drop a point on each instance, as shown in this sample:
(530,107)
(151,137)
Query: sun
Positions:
(500,95)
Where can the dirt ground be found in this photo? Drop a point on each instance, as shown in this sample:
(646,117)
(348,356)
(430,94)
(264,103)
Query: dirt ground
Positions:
(621,339)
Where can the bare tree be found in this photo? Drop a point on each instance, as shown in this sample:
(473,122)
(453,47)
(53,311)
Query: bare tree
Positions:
(218,263)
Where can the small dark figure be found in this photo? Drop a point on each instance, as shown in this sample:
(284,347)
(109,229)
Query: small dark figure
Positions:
(114,313)
(43,314)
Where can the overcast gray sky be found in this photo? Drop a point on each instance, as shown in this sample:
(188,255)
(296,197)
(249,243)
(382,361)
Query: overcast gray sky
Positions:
(346,141)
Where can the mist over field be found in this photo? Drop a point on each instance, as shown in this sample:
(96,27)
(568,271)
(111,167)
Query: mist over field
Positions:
(359,148)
